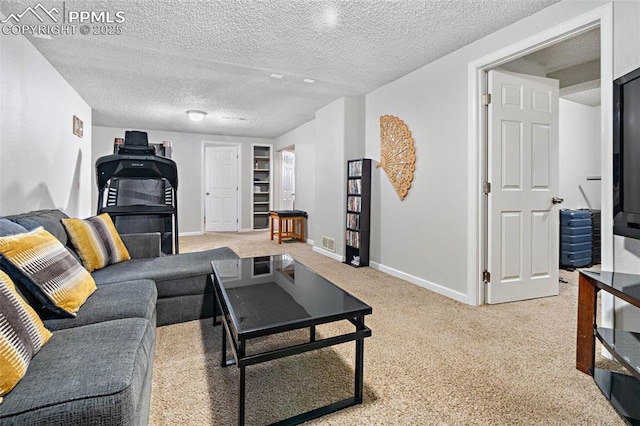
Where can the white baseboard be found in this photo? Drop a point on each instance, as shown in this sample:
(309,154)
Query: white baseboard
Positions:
(328,253)
(190,234)
(246,230)
(310,241)
(437,288)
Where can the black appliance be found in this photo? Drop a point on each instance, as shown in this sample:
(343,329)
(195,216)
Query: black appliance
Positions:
(138,189)
(626,155)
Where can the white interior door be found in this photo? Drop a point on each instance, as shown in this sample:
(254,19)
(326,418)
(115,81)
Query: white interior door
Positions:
(523,170)
(288,180)
(221,189)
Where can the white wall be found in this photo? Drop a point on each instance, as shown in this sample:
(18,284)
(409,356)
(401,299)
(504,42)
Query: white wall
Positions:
(579,155)
(425,234)
(330,173)
(42,163)
(626,49)
(339,137)
(187,153)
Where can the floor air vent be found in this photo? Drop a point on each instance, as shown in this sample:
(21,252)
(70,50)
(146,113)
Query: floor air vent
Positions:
(328,244)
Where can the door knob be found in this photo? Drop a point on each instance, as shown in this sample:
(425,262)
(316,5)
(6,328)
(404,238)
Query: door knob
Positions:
(207,193)
(557,200)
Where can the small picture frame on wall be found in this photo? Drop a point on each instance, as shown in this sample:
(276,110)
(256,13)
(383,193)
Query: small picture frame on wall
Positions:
(77,126)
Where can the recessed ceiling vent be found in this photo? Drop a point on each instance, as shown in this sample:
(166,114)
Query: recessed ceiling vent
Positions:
(328,244)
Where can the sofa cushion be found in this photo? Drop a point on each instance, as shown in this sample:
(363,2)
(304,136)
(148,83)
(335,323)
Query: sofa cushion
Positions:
(96,241)
(48,219)
(8,227)
(175,275)
(47,270)
(131,299)
(91,375)
(22,334)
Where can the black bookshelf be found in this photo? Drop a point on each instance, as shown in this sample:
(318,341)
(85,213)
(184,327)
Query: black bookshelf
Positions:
(358,212)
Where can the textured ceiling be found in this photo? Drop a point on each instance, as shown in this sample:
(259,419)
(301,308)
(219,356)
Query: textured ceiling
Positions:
(217,56)
(590,97)
(577,50)
(576,57)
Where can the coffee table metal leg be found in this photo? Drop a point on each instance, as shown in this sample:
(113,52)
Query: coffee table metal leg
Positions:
(223,362)
(241,389)
(241,397)
(359,368)
(215,299)
(312,333)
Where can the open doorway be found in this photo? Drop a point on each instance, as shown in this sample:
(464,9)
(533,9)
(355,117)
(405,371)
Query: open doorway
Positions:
(287,187)
(534,165)
(598,19)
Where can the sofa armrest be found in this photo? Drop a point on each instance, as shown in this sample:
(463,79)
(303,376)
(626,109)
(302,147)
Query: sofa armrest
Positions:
(142,245)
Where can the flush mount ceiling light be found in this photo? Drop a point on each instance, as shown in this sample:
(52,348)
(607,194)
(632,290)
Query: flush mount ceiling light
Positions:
(309,80)
(196,115)
(274,75)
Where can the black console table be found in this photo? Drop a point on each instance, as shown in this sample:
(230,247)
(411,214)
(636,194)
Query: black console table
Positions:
(622,390)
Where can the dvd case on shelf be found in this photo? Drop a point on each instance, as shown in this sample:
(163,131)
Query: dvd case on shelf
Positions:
(353,204)
(355,186)
(355,168)
(353,239)
(353,221)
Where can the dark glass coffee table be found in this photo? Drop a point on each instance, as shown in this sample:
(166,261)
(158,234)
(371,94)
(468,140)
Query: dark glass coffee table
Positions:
(262,296)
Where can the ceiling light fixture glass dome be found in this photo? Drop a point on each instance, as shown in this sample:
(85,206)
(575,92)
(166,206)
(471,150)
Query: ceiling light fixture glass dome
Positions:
(196,115)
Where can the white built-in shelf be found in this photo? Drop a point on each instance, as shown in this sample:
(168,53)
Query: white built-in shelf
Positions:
(262,160)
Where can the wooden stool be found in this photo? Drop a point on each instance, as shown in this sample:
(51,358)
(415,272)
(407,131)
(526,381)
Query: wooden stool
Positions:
(290,224)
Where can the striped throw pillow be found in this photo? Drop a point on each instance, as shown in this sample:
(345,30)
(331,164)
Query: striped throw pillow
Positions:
(22,334)
(47,270)
(96,241)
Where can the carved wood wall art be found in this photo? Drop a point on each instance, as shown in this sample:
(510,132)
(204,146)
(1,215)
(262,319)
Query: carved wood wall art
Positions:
(397,153)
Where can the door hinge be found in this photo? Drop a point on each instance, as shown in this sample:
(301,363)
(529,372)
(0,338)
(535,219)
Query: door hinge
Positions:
(486,276)
(486,187)
(486,99)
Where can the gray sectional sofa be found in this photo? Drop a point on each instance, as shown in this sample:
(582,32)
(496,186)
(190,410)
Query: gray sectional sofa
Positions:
(97,367)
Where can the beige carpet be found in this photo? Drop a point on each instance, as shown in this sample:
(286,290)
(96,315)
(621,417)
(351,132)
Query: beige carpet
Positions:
(430,360)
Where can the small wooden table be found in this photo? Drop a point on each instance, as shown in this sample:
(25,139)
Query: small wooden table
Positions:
(290,224)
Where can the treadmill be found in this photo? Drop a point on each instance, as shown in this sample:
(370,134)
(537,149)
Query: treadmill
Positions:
(137,187)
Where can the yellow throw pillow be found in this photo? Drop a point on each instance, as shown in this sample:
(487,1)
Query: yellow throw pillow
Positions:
(96,241)
(47,270)
(22,334)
